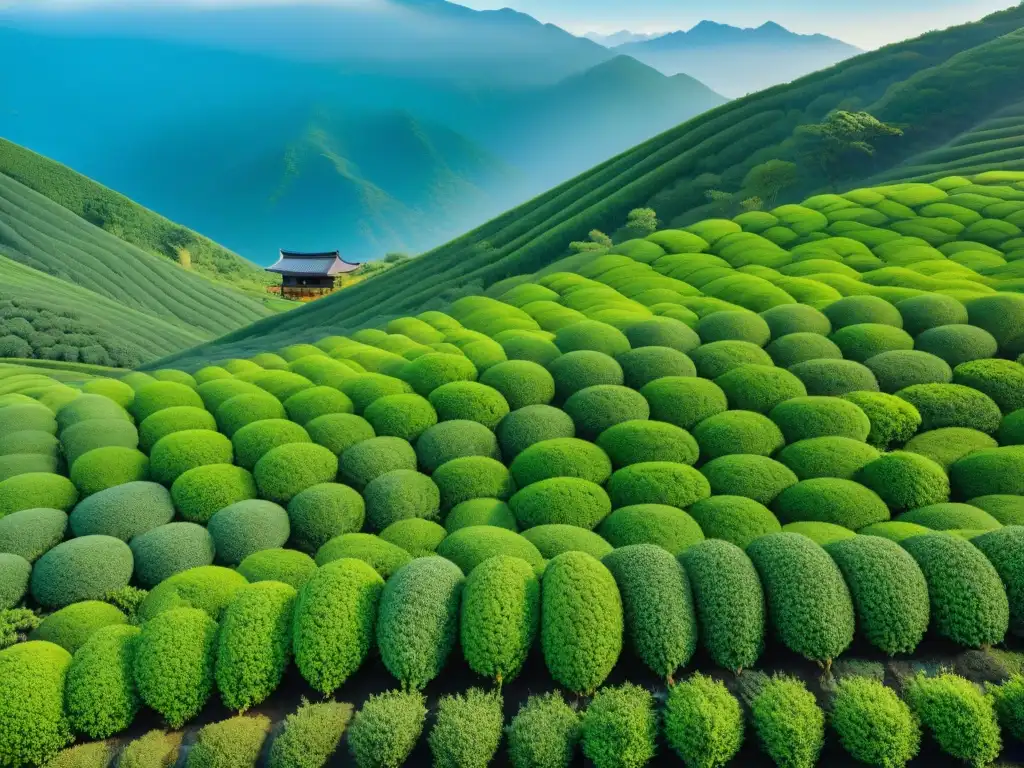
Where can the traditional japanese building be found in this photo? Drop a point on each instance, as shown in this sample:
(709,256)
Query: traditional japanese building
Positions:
(309,275)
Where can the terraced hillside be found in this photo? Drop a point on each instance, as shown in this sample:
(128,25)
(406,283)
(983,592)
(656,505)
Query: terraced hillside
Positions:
(670,501)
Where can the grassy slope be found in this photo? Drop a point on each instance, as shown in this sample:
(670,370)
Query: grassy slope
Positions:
(127,219)
(726,142)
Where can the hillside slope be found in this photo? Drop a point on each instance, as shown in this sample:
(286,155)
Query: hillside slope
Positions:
(670,171)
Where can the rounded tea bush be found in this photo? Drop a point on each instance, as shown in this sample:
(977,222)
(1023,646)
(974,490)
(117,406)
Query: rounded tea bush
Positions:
(383,556)
(284,565)
(620,727)
(560,457)
(840,457)
(177,419)
(254,440)
(216,393)
(72,626)
(561,500)
(646,364)
(163,394)
(417,623)
(31,533)
(719,357)
(337,432)
(32,678)
(788,722)
(404,416)
(948,445)
(637,441)
(400,495)
(737,432)
(469,401)
(545,732)
(14,579)
(952,405)
(467,728)
(736,519)
(657,482)
(99,693)
(179,452)
(759,387)
(968,602)
(22,463)
(703,722)
(874,726)
(734,326)
(287,470)
(472,477)
(595,409)
(1011,428)
(103,468)
(820,533)
(238,740)
(756,477)
(809,604)
(334,622)
(1003,549)
(592,335)
(84,568)
(322,512)
(200,492)
(500,616)
(169,549)
(668,527)
(385,731)
(124,511)
(85,436)
(830,500)
(1007,509)
(452,440)
(863,341)
(853,310)
(310,735)
(662,332)
(416,536)
(493,512)
(930,310)
(553,540)
(82,408)
(787,351)
(950,517)
(893,420)
(365,388)
(34,490)
(245,527)
(174,663)
(314,402)
(32,441)
(241,410)
(521,383)
(578,370)
(787,319)
(803,418)
(905,368)
(581,621)
(1001,380)
(435,369)
(832,378)
(957,344)
(906,480)
(209,588)
(468,547)
(282,384)
(890,595)
(532,424)
(989,471)
(374,457)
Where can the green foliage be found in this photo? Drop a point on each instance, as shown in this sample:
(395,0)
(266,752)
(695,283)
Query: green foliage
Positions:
(735,519)
(160,395)
(405,416)
(234,743)
(246,527)
(1001,380)
(209,588)
(103,468)
(581,621)
(322,512)
(173,663)
(200,492)
(734,326)
(873,725)
(1003,550)
(304,406)
(786,351)
(544,733)
(803,418)
(14,579)
(561,500)
(755,477)
(952,405)
(31,533)
(642,365)
(595,409)
(950,516)
(832,378)
(156,749)
(170,549)
(416,536)
(830,500)
(719,357)
(469,401)
(863,341)
(1007,509)
(948,445)
(488,512)
(365,388)
(245,409)
(287,470)
(100,696)
(839,457)
(958,716)
(666,526)
(32,679)
(310,735)
(1008,700)
(255,439)
(638,441)
(560,457)
(400,495)
(620,728)
(584,368)
(471,477)
(759,388)
(890,595)
(788,722)
(989,471)
(123,511)
(521,383)
(337,432)
(593,336)
(385,731)
(893,420)
(85,436)
(553,540)
(178,452)
(787,319)
(808,602)
(382,556)
(674,485)
(283,565)
(968,602)
(86,568)
(467,729)
(428,372)
(530,425)
(957,344)
(72,626)
(906,480)
(99,754)
(452,440)
(703,723)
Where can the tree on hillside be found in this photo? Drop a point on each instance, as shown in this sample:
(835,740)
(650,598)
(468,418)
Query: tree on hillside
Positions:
(599,237)
(643,221)
(769,179)
(842,139)
(720,201)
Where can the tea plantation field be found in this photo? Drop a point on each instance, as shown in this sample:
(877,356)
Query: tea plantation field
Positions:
(751,491)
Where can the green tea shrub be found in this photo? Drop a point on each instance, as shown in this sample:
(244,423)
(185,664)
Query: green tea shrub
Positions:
(684,401)
(854,310)
(428,372)
(662,332)
(952,405)
(22,463)
(1001,380)
(72,626)
(595,409)
(467,729)
(365,388)
(35,416)
(753,476)
(840,457)
(210,373)
(592,335)
(874,726)
(544,733)
(656,482)
(646,364)
(862,341)
(759,387)
(282,384)
(581,621)
(905,480)
(314,402)
(470,546)
(968,602)
(948,445)
(418,619)
(85,436)
(529,347)
(735,519)
(950,516)
(209,588)
(1008,700)
(719,357)
(1003,549)
(521,383)
(930,310)
(118,391)
(337,432)
(174,663)
(400,495)
(416,536)
(172,374)
(310,735)
(82,408)
(830,500)
(200,492)
(269,361)
(384,557)
(284,565)
(561,500)
(385,731)
(989,471)
(787,319)
(31,441)
(123,511)
(322,512)
(163,394)
(245,409)
(31,533)
(957,344)
(808,602)
(820,533)
(178,452)
(103,468)
(99,692)
(1011,428)
(287,470)
(530,425)
(657,606)
(832,378)
(500,616)
(472,477)
(452,440)
(560,457)
(999,314)
(638,441)
(405,416)
(85,568)
(787,351)
(234,743)
(890,595)
(32,676)
(958,715)
(469,401)
(703,722)
(169,420)
(246,527)
(169,549)
(492,512)
(216,393)
(734,326)
(1007,509)
(803,418)
(585,368)
(323,371)
(620,727)
(893,420)
(373,457)
(788,722)
(254,440)
(667,526)
(553,540)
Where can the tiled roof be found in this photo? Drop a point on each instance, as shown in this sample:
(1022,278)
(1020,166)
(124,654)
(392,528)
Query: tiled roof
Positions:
(325,264)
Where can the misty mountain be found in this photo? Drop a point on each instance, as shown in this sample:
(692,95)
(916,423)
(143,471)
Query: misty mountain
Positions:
(735,61)
(621,37)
